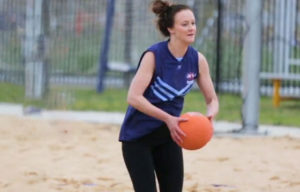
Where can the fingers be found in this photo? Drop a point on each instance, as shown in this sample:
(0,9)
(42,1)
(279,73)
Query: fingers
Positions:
(180,119)
(181,133)
(177,135)
(176,138)
(210,118)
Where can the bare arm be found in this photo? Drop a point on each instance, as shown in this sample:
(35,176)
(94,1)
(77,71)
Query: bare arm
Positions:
(137,100)
(205,84)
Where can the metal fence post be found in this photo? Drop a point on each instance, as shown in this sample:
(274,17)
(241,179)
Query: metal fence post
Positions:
(128,38)
(219,45)
(252,61)
(34,50)
(105,45)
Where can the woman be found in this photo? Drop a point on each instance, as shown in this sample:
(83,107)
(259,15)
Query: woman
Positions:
(150,133)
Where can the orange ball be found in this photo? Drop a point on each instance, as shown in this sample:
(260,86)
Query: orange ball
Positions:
(198,130)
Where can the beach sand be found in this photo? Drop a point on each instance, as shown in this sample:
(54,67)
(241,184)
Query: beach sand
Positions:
(71,156)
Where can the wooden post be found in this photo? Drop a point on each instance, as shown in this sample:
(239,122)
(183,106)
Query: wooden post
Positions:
(276,92)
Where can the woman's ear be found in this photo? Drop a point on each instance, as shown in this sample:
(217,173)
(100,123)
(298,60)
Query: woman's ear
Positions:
(171,31)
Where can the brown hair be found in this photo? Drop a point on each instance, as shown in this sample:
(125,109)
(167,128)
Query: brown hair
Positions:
(166,12)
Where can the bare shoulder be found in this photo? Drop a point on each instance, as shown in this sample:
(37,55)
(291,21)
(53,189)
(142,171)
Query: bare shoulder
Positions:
(148,61)
(149,55)
(202,63)
(201,58)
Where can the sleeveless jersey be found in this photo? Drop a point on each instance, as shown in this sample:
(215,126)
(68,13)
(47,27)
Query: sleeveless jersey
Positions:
(171,81)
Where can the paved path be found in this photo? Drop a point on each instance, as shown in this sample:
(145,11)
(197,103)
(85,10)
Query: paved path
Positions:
(221,127)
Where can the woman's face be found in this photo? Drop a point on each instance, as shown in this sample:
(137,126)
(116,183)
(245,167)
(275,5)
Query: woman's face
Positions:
(184,28)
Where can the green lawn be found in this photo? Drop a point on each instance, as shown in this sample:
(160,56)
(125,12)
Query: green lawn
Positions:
(115,100)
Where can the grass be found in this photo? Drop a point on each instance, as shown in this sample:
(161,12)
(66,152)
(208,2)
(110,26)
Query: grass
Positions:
(113,100)
(11,93)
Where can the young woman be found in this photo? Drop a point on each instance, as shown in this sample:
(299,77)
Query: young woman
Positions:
(167,70)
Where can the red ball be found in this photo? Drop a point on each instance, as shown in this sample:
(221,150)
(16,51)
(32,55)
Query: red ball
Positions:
(198,130)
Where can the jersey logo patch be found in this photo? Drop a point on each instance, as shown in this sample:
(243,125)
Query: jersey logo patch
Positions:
(190,76)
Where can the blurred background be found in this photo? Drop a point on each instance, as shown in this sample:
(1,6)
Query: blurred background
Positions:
(81,55)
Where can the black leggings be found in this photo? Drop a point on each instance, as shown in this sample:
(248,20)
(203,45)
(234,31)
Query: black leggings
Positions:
(153,154)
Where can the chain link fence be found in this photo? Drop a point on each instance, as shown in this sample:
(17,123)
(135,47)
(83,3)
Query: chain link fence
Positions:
(66,37)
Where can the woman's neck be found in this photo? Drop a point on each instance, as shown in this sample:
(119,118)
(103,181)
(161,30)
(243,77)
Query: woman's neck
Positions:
(177,48)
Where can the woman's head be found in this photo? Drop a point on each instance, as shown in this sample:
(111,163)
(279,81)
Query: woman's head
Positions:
(174,18)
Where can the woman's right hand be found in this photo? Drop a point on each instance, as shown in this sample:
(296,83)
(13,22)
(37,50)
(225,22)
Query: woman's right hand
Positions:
(176,133)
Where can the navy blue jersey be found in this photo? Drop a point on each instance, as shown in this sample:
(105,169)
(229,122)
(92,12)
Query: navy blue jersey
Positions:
(171,81)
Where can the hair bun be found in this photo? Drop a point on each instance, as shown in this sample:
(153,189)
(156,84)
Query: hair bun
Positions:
(159,7)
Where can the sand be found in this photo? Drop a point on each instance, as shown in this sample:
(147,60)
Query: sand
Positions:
(52,155)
